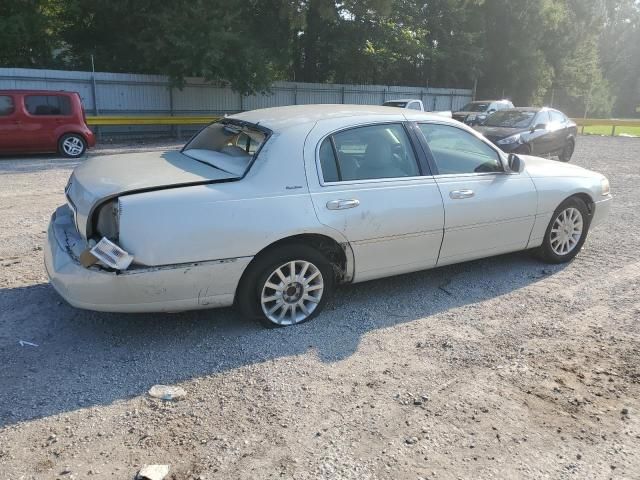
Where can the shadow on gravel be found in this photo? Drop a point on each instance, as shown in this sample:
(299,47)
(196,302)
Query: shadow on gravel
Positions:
(36,163)
(88,358)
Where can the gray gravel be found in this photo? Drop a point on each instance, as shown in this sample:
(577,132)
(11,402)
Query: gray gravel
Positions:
(499,368)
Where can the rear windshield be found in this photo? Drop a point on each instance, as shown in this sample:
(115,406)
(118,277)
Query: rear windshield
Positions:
(225,146)
(475,107)
(510,118)
(395,104)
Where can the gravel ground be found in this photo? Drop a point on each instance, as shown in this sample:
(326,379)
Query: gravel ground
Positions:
(499,368)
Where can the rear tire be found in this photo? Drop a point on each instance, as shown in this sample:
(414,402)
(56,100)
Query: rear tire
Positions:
(270,293)
(72,145)
(566,232)
(567,151)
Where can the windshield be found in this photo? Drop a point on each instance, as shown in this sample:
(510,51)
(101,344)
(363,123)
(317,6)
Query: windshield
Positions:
(510,119)
(395,104)
(226,146)
(475,107)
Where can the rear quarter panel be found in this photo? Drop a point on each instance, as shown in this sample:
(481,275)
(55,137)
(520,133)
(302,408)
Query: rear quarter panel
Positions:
(225,220)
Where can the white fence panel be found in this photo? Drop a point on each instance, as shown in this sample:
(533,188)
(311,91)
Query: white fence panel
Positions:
(106,93)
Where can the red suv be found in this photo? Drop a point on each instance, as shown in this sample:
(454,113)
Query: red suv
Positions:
(43,121)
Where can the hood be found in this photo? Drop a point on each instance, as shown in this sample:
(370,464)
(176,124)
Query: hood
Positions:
(498,133)
(103,177)
(538,167)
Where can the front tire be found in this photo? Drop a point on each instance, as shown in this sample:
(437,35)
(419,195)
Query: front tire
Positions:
(72,145)
(566,232)
(286,286)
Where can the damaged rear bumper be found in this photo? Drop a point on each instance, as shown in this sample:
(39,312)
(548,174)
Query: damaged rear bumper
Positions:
(150,289)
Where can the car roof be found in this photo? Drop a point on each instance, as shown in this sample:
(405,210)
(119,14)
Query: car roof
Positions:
(491,101)
(282,118)
(403,100)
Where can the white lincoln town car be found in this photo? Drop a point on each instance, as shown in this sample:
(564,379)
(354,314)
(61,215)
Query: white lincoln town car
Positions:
(270,210)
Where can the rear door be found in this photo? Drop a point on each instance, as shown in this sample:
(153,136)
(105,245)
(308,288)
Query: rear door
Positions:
(488,211)
(44,115)
(370,183)
(9,124)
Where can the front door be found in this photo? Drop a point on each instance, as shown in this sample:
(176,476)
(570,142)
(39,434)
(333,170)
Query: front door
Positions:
(488,211)
(558,128)
(372,187)
(542,139)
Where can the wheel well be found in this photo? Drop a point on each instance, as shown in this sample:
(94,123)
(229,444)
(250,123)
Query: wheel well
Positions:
(326,245)
(586,199)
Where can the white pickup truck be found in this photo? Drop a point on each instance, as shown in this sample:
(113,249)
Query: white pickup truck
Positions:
(413,104)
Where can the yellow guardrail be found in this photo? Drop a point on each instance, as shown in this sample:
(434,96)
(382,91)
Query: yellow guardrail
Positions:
(606,122)
(148,120)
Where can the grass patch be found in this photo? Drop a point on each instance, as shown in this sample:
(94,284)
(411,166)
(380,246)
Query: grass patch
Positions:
(606,130)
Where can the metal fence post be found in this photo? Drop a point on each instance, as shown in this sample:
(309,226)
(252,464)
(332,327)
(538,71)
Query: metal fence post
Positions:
(343,88)
(295,95)
(173,127)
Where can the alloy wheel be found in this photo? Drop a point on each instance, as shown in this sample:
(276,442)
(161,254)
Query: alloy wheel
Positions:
(566,231)
(73,146)
(292,292)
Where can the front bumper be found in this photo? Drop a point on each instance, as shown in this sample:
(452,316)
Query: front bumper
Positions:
(149,289)
(601,210)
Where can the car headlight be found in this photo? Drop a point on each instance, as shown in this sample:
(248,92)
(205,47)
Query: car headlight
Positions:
(605,189)
(471,118)
(510,140)
(107,220)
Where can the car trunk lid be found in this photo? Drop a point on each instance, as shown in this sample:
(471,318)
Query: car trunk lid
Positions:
(103,177)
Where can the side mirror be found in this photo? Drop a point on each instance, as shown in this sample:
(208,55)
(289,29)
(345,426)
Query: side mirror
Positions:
(540,126)
(516,164)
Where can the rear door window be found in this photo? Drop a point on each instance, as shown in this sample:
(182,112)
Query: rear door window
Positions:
(7,107)
(48,104)
(368,153)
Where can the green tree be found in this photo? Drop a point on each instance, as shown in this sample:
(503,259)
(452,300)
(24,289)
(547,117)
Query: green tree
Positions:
(26,36)
(232,41)
(620,53)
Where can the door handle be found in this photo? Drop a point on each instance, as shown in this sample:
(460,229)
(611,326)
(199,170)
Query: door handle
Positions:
(342,204)
(460,194)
